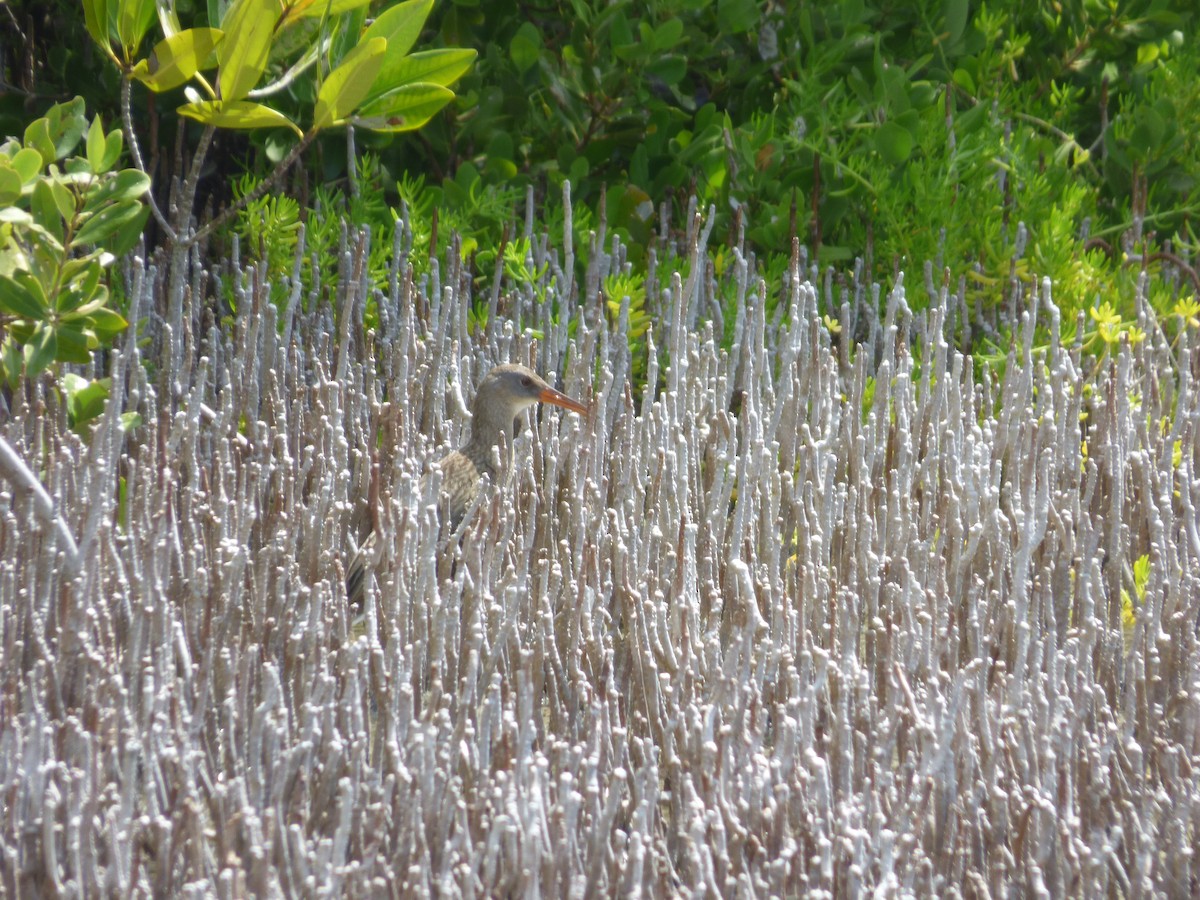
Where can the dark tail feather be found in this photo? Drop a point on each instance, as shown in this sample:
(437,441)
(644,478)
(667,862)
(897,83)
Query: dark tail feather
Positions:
(356,576)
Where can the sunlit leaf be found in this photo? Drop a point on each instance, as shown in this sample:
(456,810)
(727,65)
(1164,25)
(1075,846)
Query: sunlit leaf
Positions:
(403,109)
(174,60)
(238,114)
(348,84)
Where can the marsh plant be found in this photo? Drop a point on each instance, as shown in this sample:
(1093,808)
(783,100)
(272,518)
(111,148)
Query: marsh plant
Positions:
(817,609)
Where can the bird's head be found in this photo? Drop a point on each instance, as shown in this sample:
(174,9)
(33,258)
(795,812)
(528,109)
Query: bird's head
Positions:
(508,389)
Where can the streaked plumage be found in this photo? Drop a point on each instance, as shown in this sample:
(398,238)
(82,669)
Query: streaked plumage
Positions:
(505,392)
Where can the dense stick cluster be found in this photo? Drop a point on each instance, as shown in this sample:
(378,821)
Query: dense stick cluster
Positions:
(810,612)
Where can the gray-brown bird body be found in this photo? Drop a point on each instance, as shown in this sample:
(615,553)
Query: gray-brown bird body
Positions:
(505,392)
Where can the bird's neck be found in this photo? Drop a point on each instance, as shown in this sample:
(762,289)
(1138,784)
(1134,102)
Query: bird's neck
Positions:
(488,433)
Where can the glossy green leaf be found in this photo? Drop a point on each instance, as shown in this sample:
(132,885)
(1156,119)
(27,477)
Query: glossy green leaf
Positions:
(73,344)
(114,142)
(310,9)
(403,109)
(442,67)
(85,399)
(736,16)
(107,323)
(346,86)
(248,26)
(12,360)
(95,19)
(82,291)
(240,114)
(105,223)
(128,184)
(45,210)
(37,137)
(667,34)
(175,60)
(27,163)
(525,47)
(95,145)
(18,300)
(40,350)
(67,124)
(134,18)
(10,184)
(125,238)
(400,25)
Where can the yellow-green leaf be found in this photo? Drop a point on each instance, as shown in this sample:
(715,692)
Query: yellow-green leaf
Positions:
(401,25)
(27,162)
(404,108)
(347,85)
(134,18)
(174,60)
(95,18)
(442,67)
(113,145)
(248,26)
(95,145)
(10,184)
(238,114)
(308,9)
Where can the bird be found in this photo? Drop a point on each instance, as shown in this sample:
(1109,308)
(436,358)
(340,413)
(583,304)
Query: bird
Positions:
(503,395)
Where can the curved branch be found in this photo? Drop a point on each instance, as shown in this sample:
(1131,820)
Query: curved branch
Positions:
(17,472)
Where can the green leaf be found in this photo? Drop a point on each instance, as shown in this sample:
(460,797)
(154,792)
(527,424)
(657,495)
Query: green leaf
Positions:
(18,300)
(128,184)
(248,26)
(37,137)
(957,13)
(40,350)
(893,143)
(310,9)
(83,290)
(73,344)
(27,164)
(404,108)
(95,18)
(67,124)
(134,18)
(736,16)
(113,145)
(667,34)
(85,399)
(105,223)
(346,86)
(400,25)
(670,67)
(44,209)
(442,67)
(95,145)
(10,184)
(13,215)
(240,114)
(175,60)
(107,323)
(526,46)
(12,360)
(126,237)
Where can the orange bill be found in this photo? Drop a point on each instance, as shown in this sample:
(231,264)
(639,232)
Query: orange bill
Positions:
(558,398)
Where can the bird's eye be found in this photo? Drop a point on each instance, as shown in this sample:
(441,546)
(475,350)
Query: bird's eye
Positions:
(526,381)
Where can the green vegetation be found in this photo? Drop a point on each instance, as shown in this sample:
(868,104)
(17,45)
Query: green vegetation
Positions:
(63,220)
